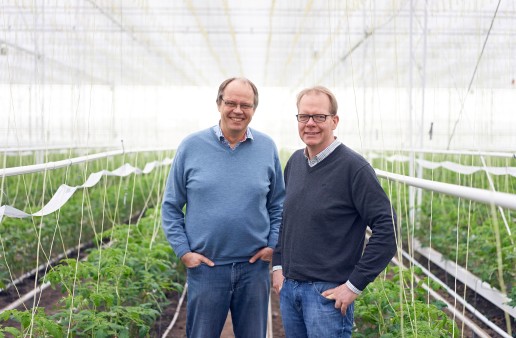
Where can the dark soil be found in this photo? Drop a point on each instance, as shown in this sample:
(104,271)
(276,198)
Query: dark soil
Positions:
(179,328)
(484,306)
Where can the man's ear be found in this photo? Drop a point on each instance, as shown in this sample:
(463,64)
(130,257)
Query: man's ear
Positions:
(335,120)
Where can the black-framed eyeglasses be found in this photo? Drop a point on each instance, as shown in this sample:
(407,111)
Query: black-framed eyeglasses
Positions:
(233,104)
(318,118)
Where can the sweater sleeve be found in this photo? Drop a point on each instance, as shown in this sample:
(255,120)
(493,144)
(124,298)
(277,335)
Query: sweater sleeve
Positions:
(373,206)
(276,256)
(173,218)
(275,199)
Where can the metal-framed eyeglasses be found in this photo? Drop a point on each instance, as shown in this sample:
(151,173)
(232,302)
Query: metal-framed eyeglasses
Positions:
(318,118)
(233,104)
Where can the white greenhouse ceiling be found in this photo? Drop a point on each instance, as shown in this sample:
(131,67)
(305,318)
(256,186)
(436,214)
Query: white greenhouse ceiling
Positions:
(291,43)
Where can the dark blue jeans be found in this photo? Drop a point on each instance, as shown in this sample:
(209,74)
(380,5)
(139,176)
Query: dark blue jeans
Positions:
(306,313)
(242,288)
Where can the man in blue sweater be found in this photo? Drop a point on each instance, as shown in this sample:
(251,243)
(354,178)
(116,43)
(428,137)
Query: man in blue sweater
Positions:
(332,194)
(229,177)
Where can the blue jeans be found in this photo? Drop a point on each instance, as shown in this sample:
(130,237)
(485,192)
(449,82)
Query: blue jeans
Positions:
(242,288)
(306,313)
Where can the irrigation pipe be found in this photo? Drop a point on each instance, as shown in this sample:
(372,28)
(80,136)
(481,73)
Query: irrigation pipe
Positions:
(502,199)
(176,314)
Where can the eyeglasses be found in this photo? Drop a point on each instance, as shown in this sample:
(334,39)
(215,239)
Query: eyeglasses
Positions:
(233,104)
(318,118)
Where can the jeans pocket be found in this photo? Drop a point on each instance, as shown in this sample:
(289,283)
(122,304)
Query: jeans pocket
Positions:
(320,287)
(195,269)
(265,262)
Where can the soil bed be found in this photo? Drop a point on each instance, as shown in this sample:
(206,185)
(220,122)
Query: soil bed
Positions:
(179,329)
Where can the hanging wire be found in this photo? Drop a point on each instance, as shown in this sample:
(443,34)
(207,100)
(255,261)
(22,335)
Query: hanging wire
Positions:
(473,75)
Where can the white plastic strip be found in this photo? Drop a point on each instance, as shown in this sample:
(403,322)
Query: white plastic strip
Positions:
(450,152)
(64,192)
(502,199)
(455,167)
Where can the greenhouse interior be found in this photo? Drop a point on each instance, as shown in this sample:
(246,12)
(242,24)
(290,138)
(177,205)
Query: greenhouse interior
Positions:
(96,97)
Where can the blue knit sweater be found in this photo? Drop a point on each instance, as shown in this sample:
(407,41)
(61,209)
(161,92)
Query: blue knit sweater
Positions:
(233,198)
(326,212)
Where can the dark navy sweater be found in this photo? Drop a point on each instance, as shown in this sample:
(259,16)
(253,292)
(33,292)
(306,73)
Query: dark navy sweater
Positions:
(325,214)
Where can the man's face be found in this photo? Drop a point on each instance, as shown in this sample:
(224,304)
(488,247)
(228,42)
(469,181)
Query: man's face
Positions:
(316,136)
(236,108)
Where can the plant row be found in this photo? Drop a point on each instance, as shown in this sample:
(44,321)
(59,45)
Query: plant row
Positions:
(118,291)
(393,306)
(472,234)
(29,242)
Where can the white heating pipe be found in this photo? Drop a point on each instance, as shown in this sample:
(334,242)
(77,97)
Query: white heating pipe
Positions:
(502,199)
(29,169)
(28,296)
(50,148)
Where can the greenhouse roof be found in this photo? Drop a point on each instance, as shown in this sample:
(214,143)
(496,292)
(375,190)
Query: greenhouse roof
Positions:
(294,43)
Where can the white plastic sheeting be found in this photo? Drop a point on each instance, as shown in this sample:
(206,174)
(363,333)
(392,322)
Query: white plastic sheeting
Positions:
(455,167)
(64,192)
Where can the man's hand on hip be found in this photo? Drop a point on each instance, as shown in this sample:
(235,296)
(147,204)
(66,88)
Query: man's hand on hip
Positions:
(193,259)
(265,254)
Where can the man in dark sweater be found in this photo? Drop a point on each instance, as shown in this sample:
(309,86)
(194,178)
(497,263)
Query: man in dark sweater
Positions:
(332,194)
